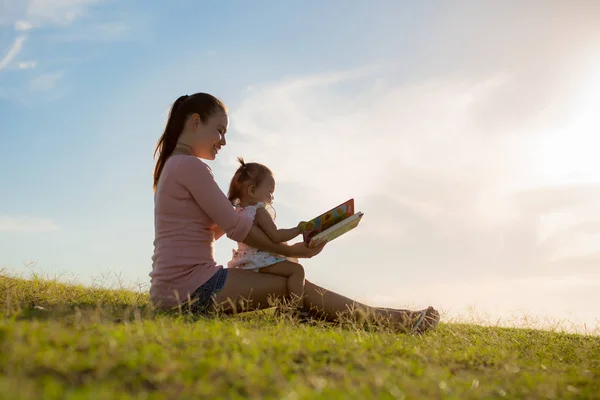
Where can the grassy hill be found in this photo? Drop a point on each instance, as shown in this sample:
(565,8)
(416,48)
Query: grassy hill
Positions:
(65,341)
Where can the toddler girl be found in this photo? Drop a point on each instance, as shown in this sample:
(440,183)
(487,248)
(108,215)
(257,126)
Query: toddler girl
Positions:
(251,192)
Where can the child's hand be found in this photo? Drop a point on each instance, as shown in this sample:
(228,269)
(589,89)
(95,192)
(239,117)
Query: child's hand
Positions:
(304,226)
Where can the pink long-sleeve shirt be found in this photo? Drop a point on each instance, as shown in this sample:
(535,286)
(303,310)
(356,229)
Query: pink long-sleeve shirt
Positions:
(189,208)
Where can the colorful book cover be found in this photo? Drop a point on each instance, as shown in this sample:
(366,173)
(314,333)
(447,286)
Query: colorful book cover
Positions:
(337,230)
(328,219)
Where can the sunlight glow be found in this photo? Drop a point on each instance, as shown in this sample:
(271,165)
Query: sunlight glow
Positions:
(569,155)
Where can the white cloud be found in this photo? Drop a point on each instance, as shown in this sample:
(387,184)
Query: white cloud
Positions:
(423,146)
(27,14)
(22,26)
(352,132)
(44,82)
(17,223)
(57,12)
(27,64)
(12,52)
(100,32)
(444,199)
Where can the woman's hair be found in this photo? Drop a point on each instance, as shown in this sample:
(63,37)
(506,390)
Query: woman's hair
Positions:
(247,174)
(202,104)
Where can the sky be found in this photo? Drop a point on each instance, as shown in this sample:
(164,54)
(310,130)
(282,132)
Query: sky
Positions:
(466,133)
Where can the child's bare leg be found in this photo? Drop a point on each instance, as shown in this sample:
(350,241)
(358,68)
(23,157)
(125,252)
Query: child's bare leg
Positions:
(294,274)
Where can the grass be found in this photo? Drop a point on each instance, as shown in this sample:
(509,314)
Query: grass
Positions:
(61,341)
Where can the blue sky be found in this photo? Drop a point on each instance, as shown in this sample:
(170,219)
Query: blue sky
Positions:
(465,133)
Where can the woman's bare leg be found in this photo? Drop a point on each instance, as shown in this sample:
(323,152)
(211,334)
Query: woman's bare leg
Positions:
(248,290)
(329,304)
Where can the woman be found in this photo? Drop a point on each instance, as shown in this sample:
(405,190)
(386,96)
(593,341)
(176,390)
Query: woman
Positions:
(191,212)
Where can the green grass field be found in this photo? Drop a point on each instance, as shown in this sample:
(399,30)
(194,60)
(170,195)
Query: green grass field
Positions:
(61,341)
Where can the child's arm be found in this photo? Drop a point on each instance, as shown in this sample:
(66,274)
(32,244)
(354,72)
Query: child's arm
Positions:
(264,221)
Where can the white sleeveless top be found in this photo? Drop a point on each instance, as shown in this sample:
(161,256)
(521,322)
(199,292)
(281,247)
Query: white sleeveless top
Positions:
(246,257)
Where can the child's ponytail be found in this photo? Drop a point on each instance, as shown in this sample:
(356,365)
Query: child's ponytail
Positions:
(235,187)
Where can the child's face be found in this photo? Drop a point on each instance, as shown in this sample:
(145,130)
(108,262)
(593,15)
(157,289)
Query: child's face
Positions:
(264,191)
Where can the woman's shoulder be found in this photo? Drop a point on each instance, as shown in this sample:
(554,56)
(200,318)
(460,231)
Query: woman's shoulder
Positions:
(185,159)
(188,164)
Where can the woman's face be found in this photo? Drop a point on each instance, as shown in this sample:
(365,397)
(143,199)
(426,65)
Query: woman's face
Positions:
(208,137)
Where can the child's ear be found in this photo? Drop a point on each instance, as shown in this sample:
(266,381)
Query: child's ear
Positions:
(251,190)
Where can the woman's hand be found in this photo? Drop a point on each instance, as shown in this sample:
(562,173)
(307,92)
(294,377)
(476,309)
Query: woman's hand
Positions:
(301,250)
(258,239)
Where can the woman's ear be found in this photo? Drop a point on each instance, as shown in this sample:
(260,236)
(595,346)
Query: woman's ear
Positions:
(195,120)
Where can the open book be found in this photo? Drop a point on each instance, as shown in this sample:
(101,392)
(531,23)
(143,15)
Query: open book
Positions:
(332,224)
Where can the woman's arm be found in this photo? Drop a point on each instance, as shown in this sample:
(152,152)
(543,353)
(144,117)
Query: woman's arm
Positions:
(198,179)
(218,232)
(258,239)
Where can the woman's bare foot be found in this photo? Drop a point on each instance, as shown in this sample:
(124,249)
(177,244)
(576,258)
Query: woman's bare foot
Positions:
(424,320)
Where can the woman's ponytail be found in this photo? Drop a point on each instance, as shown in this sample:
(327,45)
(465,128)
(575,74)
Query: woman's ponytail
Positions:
(168,140)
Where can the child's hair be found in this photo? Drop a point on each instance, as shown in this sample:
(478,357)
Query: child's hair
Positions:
(247,174)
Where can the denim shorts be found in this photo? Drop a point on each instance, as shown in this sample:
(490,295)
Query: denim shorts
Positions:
(203,297)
